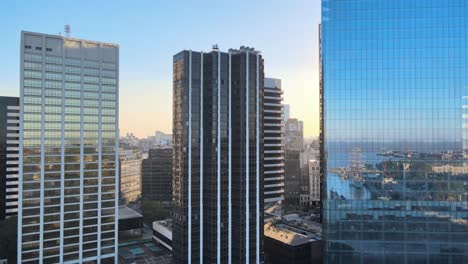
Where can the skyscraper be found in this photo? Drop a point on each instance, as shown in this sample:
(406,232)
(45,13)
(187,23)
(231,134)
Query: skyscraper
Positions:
(218,154)
(9,140)
(156,176)
(273,131)
(68,150)
(394,124)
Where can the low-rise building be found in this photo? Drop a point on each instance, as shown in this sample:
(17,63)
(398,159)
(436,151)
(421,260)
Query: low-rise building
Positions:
(130,223)
(287,244)
(162,233)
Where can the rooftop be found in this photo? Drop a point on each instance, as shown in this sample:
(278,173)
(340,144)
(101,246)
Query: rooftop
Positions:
(164,223)
(287,235)
(127,213)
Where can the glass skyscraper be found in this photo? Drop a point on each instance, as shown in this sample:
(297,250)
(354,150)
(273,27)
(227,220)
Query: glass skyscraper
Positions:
(218,156)
(67,209)
(395,124)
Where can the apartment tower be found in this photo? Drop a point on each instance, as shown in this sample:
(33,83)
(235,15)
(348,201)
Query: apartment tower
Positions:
(273,131)
(9,140)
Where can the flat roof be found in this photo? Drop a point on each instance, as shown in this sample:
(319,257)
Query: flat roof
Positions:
(24,32)
(127,213)
(286,236)
(167,223)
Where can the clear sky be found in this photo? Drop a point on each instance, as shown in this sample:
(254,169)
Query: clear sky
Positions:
(150,32)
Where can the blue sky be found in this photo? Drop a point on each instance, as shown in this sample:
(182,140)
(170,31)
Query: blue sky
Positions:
(151,32)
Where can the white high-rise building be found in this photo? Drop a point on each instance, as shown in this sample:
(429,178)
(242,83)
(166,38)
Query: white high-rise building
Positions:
(68,188)
(273,187)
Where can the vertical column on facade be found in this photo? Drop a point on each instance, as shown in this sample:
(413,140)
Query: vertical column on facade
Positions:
(80,256)
(230,167)
(20,151)
(62,159)
(257,164)
(201,157)
(218,180)
(117,169)
(41,210)
(100,157)
(247,152)
(189,232)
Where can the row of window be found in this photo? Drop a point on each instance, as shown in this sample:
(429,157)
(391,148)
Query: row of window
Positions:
(108,101)
(29,143)
(52,179)
(69,142)
(37,91)
(72,178)
(68,158)
(34,203)
(68,77)
(32,232)
(72,157)
(68,118)
(36,166)
(68,134)
(29,194)
(70,253)
(87,127)
(89,150)
(67,183)
(69,85)
(68,61)
(69,110)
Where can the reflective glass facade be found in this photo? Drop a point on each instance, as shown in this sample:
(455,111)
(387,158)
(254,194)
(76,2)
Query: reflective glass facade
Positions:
(217,156)
(395,100)
(68,146)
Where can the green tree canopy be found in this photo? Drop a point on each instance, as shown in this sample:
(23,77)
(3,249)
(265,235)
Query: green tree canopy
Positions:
(153,211)
(8,244)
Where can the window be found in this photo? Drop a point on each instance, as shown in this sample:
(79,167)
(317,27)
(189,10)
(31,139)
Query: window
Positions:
(32,57)
(27,46)
(38,48)
(48,49)
(53,59)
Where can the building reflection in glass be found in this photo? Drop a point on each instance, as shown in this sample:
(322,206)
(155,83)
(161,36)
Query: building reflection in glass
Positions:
(395,98)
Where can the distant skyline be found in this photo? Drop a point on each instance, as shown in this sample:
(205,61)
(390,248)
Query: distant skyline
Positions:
(151,32)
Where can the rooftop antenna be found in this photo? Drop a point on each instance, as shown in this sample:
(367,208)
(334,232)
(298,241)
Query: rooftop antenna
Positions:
(67,30)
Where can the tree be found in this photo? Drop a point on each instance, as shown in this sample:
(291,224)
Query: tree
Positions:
(8,244)
(153,211)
